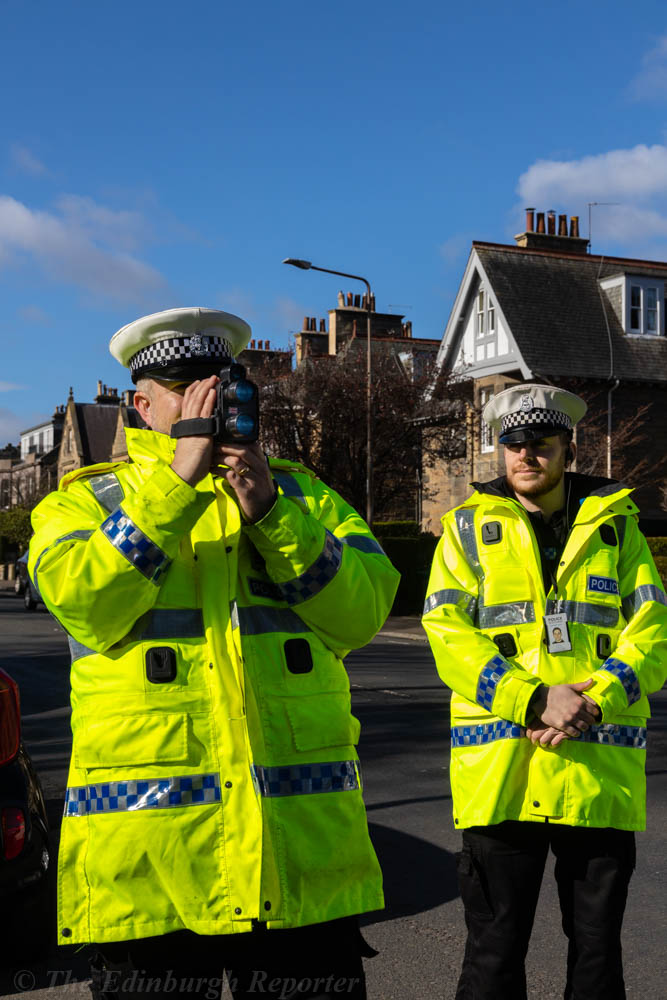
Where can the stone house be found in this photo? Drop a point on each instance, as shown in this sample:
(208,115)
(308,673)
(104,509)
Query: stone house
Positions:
(547,311)
(30,471)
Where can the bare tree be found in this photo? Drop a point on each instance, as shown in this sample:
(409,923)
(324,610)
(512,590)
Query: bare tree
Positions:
(316,415)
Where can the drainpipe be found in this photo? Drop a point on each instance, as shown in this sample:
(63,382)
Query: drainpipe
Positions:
(613,389)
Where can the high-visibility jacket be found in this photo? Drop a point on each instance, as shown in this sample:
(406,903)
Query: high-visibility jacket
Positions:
(214,780)
(486,582)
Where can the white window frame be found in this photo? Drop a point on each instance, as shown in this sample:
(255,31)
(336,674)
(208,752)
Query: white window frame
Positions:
(643,284)
(487,442)
(480,324)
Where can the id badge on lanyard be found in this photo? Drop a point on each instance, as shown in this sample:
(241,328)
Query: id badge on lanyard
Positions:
(558,633)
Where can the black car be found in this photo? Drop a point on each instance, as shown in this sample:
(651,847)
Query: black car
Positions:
(24,830)
(24,585)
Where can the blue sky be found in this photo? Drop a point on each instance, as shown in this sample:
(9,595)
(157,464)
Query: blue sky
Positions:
(160,154)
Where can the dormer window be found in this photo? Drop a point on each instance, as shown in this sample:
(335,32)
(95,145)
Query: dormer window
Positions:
(638,303)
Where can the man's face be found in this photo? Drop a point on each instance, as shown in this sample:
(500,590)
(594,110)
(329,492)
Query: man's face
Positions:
(535,468)
(160,407)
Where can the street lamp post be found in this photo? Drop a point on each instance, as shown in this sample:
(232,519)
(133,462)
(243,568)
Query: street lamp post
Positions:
(306,265)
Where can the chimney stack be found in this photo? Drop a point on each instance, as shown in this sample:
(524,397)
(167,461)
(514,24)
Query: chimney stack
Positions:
(544,237)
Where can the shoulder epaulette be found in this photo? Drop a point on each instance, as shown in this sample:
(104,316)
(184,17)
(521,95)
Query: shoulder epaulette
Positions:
(87,471)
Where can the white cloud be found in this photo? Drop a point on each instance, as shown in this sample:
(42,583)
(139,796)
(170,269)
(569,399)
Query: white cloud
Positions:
(33,314)
(25,161)
(628,174)
(290,314)
(651,81)
(455,248)
(85,245)
(10,386)
(11,425)
(629,185)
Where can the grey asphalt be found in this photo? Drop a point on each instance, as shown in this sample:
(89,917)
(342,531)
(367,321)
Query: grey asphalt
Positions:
(404,750)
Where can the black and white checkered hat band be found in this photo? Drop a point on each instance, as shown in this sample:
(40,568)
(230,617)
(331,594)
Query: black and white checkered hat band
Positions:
(175,350)
(523,418)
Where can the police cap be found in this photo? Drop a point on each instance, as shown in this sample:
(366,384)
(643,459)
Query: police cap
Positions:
(180,344)
(529,412)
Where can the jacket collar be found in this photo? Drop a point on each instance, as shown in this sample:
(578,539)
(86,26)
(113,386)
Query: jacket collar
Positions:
(145,446)
(589,496)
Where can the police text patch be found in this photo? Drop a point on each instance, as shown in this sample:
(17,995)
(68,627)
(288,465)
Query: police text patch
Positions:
(602,585)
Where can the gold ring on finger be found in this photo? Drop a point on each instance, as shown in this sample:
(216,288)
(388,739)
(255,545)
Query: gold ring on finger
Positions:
(244,471)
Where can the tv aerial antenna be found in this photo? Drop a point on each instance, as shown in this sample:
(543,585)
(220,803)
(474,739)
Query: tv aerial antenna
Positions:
(592,204)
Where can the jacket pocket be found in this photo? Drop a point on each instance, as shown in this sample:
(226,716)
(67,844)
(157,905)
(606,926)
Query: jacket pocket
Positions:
(132,739)
(309,723)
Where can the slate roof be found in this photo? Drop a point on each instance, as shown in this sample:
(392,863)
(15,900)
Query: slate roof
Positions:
(552,303)
(97,427)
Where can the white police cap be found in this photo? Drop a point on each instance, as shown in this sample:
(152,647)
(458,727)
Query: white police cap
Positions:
(187,343)
(529,412)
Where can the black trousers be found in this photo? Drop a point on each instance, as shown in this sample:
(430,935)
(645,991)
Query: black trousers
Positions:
(311,963)
(500,874)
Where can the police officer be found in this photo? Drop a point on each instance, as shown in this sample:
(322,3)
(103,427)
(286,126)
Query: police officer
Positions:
(548,620)
(214,814)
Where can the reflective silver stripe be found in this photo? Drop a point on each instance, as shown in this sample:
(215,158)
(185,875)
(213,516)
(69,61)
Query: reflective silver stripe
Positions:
(458,598)
(585,613)
(615,736)
(465,522)
(289,485)
(306,779)
(151,793)
(646,592)
(137,548)
(260,619)
(108,491)
(465,736)
(626,675)
(82,535)
(318,575)
(363,543)
(620,521)
(170,623)
(77,649)
(515,613)
(488,681)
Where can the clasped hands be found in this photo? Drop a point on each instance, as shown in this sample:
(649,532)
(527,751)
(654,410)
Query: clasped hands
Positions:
(244,466)
(562,711)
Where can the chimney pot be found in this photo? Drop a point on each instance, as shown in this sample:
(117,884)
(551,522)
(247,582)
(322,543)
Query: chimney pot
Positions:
(357,301)
(551,222)
(99,387)
(540,222)
(349,298)
(266,345)
(372,303)
(574,226)
(252,342)
(323,326)
(530,220)
(313,323)
(562,225)
(341,300)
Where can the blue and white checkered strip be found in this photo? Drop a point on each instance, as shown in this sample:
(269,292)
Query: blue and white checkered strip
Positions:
(151,793)
(135,546)
(488,681)
(468,736)
(316,576)
(615,736)
(306,779)
(626,676)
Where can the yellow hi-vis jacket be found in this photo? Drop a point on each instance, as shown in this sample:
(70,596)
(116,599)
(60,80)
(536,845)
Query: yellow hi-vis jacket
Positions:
(486,581)
(214,780)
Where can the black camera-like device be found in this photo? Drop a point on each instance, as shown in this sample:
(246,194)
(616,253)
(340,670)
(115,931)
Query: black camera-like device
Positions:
(235,419)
